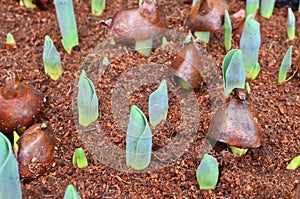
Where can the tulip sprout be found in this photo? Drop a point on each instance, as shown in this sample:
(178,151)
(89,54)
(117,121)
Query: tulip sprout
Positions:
(67,23)
(164,43)
(250,44)
(227,30)
(10,186)
(71,193)
(98,6)
(27,3)
(294,164)
(291,25)
(202,35)
(237,152)
(105,61)
(138,140)
(158,104)
(16,138)
(285,65)
(79,158)
(144,46)
(87,101)
(251,6)
(234,75)
(266,8)
(207,172)
(10,41)
(51,59)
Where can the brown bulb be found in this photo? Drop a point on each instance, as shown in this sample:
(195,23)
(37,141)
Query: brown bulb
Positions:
(44,4)
(19,104)
(36,149)
(236,124)
(187,65)
(141,23)
(207,15)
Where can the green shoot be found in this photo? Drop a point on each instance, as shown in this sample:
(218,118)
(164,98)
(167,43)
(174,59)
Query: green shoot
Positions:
(247,87)
(237,152)
(158,104)
(67,24)
(98,6)
(207,173)
(188,39)
(233,71)
(10,41)
(250,44)
(105,61)
(79,159)
(16,138)
(251,6)
(138,140)
(294,164)
(285,65)
(51,59)
(10,186)
(227,31)
(27,3)
(291,25)
(164,43)
(144,47)
(71,193)
(87,101)
(266,8)
(202,36)
(112,42)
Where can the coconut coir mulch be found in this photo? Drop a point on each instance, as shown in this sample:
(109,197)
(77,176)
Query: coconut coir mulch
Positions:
(261,173)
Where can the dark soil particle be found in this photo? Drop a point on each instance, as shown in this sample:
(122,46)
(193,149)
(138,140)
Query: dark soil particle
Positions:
(261,173)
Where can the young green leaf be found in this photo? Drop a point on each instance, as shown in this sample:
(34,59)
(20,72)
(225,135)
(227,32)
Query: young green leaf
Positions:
(71,193)
(291,24)
(138,140)
(98,6)
(51,59)
(227,31)
(285,65)
(237,152)
(266,8)
(202,36)
(10,186)
(249,44)
(247,87)
(79,159)
(87,101)
(188,39)
(16,138)
(256,71)
(233,71)
(67,23)
(251,6)
(164,43)
(105,61)
(27,3)
(207,172)
(144,47)
(294,164)
(158,104)
(10,39)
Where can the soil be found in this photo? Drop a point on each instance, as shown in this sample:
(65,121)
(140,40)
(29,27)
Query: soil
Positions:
(261,173)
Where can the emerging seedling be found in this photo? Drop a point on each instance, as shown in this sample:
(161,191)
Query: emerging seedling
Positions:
(158,104)
(79,159)
(67,23)
(71,193)
(285,65)
(164,43)
(87,101)
(207,173)
(10,41)
(98,6)
(291,25)
(251,6)
(250,44)
(10,186)
(138,140)
(51,59)
(266,8)
(16,138)
(234,75)
(237,152)
(294,164)
(227,31)
(105,61)
(27,3)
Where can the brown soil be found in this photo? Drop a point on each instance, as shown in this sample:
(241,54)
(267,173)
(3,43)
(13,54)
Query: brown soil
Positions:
(261,173)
